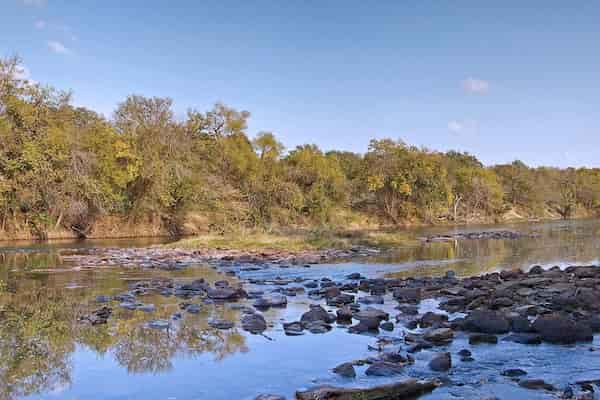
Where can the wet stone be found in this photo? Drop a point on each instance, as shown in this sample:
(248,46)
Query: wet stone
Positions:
(221,324)
(159,324)
(441,362)
(383,368)
(345,370)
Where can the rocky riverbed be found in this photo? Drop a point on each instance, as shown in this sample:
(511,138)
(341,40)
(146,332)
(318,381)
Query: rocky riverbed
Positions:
(416,323)
(171,259)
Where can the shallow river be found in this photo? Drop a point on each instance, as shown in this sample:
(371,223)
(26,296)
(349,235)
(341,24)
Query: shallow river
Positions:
(46,353)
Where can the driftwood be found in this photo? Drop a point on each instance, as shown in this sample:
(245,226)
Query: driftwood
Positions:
(407,389)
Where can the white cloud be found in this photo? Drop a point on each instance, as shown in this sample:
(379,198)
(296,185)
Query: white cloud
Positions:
(58,47)
(455,127)
(41,24)
(476,86)
(34,3)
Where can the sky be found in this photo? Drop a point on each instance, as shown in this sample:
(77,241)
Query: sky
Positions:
(502,80)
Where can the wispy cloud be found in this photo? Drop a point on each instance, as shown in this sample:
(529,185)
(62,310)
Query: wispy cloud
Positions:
(40,24)
(58,47)
(455,127)
(34,3)
(475,86)
(465,128)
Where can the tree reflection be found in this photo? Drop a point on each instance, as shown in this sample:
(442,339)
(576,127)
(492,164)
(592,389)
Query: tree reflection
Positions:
(40,329)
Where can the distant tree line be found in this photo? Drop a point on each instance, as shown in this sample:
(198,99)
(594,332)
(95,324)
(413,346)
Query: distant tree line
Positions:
(67,167)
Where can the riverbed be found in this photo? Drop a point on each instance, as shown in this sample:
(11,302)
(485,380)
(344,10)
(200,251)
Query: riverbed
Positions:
(48,352)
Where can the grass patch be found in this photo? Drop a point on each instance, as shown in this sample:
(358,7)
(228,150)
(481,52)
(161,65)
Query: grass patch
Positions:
(298,241)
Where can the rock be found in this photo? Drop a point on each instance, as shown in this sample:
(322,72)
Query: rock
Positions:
(316,313)
(371,300)
(366,325)
(524,338)
(430,319)
(293,329)
(254,323)
(387,326)
(99,316)
(384,368)
(159,324)
(317,327)
(464,353)
(479,338)
(225,293)
(409,295)
(354,276)
(439,336)
(410,388)
(514,372)
(274,300)
(221,324)
(344,314)
(371,313)
(193,308)
(562,330)
(340,300)
(408,309)
(130,305)
(441,362)
(103,299)
(520,325)
(536,384)
(147,308)
(345,370)
(484,321)
(269,397)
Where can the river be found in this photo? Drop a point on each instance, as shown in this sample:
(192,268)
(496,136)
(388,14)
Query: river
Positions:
(47,353)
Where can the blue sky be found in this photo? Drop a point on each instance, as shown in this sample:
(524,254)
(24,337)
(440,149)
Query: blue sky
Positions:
(502,80)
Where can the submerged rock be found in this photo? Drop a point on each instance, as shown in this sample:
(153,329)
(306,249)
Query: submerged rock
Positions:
(159,324)
(524,338)
(293,328)
(221,324)
(407,389)
(514,372)
(536,384)
(479,338)
(254,323)
(439,336)
(441,362)
(384,368)
(269,397)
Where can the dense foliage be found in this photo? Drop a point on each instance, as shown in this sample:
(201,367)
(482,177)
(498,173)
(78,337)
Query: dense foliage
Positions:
(64,167)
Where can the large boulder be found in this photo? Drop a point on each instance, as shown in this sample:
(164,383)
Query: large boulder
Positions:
(562,330)
(485,321)
(316,313)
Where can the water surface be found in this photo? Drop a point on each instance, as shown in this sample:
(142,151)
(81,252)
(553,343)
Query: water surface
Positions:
(46,353)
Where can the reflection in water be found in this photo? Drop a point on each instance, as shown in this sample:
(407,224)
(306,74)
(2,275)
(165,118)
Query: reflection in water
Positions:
(40,328)
(41,300)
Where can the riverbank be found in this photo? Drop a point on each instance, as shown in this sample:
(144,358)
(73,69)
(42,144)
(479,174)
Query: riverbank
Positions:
(346,231)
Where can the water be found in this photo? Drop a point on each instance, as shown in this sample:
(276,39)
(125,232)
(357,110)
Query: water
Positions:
(46,353)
